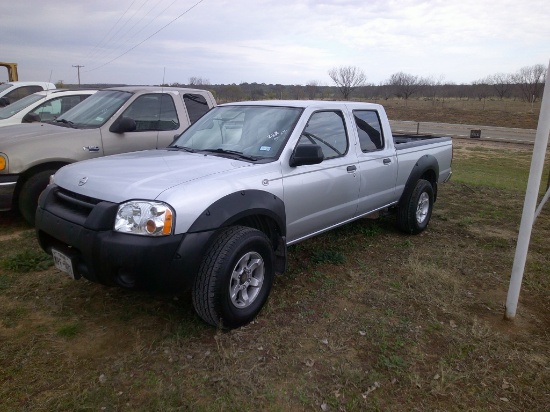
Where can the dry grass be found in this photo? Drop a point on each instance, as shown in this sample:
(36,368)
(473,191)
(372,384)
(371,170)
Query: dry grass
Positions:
(404,323)
(500,113)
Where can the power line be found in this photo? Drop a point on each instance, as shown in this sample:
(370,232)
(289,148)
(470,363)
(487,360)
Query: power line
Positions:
(143,41)
(122,40)
(110,30)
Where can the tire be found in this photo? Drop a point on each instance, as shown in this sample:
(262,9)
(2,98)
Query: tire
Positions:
(30,191)
(235,278)
(415,211)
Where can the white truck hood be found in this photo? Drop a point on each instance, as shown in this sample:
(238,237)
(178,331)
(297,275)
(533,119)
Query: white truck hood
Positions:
(140,175)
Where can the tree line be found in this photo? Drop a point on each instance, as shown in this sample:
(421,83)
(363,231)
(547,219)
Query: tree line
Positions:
(348,82)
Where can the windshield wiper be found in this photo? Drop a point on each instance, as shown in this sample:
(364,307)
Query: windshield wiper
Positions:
(66,122)
(187,149)
(231,152)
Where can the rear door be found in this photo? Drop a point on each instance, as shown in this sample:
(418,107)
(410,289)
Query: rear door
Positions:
(377,163)
(320,196)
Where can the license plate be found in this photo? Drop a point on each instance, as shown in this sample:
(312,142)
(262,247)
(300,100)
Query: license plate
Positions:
(63,262)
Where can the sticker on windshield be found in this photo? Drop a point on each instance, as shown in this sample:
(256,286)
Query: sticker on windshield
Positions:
(265,148)
(99,119)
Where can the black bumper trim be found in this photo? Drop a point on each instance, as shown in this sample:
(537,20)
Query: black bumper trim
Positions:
(111,258)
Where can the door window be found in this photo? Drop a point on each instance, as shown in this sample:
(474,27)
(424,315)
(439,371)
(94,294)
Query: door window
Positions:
(326,129)
(21,92)
(53,108)
(153,112)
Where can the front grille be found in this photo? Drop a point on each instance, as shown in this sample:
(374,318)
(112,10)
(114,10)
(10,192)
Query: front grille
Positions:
(75,203)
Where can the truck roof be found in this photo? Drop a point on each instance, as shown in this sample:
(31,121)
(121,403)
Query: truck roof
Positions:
(136,89)
(306,103)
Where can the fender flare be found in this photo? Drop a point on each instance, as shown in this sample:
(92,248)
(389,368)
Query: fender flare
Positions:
(236,206)
(425,164)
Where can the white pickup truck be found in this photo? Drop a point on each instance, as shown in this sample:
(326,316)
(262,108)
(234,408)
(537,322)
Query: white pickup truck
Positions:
(216,210)
(114,120)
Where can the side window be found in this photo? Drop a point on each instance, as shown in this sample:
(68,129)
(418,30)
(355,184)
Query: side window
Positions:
(21,92)
(48,110)
(326,129)
(196,106)
(369,130)
(153,112)
(56,107)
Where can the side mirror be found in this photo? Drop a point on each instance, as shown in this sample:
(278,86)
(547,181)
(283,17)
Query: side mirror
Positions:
(307,154)
(123,125)
(31,118)
(4,101)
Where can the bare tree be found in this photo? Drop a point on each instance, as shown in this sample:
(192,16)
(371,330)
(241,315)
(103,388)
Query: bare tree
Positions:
(434,87)
(530,80)
(502,84)
(481,90)
(404,85)
(198,81)
(347,79)
(312,88)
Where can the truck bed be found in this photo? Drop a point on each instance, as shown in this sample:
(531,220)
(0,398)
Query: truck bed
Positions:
(403,141)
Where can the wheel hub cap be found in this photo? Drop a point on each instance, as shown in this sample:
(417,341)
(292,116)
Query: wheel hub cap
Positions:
(246,280)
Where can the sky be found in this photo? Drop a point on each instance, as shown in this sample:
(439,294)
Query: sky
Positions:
(270,41)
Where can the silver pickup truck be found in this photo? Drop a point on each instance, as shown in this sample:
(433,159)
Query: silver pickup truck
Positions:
(115,120)
(216,209)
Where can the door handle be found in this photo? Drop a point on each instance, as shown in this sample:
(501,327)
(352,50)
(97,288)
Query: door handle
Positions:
(387,161)
(351,168)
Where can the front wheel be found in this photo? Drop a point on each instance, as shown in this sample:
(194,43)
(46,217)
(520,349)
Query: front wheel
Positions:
(30,191)
(235,278)
(415,212)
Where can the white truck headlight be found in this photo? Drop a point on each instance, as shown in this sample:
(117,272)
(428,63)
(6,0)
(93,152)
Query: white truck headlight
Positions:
(143,217)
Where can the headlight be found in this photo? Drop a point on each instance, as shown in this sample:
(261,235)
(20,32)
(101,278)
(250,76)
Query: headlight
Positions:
(142,217)
(3,162)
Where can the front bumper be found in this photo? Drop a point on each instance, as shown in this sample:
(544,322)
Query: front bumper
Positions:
(104,256)
(7,190)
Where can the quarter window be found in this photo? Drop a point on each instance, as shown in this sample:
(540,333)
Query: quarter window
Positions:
(196,106)
(369,130)
(326,129)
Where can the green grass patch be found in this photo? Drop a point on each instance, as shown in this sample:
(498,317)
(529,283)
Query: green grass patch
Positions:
(69,331)
(29,260)
(328,256)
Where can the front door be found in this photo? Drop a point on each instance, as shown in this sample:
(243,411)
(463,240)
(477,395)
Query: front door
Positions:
(156,120)
(320,196)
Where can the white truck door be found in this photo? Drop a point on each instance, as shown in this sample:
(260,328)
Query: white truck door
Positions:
(377,163)
(322,195)
(157,122)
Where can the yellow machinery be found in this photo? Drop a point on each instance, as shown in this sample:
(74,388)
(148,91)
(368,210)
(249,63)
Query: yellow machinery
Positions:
(12,71)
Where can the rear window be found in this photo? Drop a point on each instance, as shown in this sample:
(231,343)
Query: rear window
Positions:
(369,130)
(196,106)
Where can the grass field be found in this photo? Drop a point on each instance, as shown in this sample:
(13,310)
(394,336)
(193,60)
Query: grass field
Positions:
(366,318)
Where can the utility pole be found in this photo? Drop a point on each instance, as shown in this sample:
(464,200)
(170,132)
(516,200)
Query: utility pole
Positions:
(78,68)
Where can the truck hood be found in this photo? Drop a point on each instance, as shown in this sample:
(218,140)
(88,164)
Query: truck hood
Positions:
(140,175)
(18,133)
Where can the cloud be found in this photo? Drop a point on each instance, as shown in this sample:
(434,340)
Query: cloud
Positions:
(272,41)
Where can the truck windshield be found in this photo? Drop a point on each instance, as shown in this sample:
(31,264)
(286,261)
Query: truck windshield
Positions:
(19,105)
(95,110)
(253,132)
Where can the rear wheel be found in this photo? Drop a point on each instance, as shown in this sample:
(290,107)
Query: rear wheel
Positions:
(235,278)
(30,191)
(415,211)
